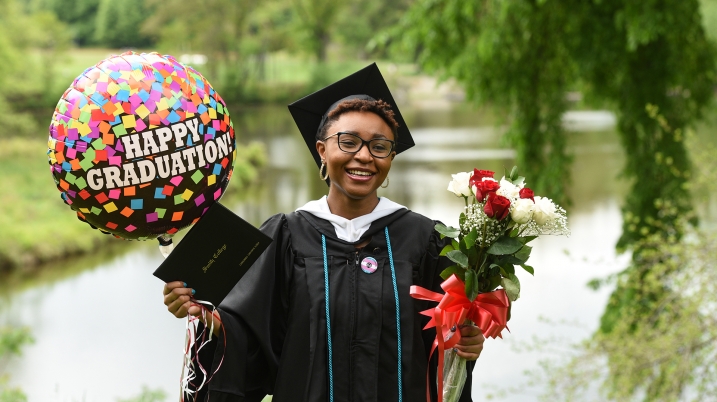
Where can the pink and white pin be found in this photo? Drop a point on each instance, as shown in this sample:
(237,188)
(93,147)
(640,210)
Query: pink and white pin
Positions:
(369,265)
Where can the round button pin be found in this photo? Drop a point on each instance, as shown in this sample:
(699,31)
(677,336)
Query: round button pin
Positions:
(369,265)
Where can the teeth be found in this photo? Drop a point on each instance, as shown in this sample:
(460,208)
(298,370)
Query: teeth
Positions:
(359,173)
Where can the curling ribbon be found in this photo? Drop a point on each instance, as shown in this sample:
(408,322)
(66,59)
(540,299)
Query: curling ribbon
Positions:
(489,311)
(194,342)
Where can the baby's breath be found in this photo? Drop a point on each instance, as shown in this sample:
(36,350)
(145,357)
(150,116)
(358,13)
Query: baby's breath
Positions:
(557,226)
(488,229)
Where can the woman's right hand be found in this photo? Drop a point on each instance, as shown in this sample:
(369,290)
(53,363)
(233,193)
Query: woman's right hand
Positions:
(178,299)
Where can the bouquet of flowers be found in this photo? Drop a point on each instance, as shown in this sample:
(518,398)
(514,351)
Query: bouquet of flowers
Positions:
(500,219)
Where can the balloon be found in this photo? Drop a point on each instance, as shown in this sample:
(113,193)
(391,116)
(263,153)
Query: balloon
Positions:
(140,145)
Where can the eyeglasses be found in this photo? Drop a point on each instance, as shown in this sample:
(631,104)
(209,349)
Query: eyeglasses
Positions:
(352,143)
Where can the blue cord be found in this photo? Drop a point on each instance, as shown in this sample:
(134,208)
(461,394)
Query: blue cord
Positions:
(398,313)
(328,319)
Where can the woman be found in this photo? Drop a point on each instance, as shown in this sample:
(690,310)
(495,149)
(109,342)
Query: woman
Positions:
(363,340)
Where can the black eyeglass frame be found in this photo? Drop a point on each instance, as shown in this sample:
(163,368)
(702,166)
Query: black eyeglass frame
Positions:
(363,142)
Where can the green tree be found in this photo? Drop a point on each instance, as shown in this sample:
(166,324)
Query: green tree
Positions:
(78,15)
(31,44)
(359,22)
(118,23)
(514,55)
(215,28)
(668,354)
(316,22)
(523,55)
(269,29)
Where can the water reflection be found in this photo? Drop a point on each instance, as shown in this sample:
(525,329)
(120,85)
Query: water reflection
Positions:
(102,331)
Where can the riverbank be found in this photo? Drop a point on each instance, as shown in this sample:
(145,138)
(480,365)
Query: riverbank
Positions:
(38,227)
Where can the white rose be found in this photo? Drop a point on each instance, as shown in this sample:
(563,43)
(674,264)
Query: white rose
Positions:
(522,210)
(459,184)
(508,190)
(544,210)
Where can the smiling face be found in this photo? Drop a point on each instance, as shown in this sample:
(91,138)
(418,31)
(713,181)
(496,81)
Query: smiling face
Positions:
(355,176)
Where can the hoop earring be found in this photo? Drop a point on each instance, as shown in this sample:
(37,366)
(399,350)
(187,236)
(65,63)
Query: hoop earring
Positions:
(386,183)
(323,176)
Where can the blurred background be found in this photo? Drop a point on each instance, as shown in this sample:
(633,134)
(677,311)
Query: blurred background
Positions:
(607,107)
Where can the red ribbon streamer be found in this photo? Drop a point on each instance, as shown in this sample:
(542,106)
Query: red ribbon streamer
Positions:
(489,311)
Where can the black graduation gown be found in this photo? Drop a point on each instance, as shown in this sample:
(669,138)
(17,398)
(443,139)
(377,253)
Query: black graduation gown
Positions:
(275,326)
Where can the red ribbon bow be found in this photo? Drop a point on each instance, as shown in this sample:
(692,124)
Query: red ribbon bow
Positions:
(489,311)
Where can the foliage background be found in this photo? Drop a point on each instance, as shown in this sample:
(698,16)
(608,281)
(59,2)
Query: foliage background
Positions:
(651,62)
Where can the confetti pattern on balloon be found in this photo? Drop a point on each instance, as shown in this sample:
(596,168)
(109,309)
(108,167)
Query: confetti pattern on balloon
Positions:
(141,145)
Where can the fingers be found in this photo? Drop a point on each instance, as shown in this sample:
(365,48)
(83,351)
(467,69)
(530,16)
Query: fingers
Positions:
(470,345)
(470,331)
(180,306)
(169,286)
(177,298)
(195,310)
(469,353)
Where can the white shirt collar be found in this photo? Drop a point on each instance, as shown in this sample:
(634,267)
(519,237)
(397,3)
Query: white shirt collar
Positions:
(350,230)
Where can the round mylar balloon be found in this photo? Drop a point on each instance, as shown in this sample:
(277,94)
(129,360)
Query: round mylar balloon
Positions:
(141,145)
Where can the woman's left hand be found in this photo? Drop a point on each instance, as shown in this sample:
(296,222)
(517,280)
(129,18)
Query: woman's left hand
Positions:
(471,343)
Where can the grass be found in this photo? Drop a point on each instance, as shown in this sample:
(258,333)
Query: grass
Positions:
(36,224)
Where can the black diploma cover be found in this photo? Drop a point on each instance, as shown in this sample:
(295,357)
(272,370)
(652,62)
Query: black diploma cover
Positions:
(214,255)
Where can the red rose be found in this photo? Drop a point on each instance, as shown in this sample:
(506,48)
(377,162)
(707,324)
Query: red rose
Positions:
(478,176)
(526,193)
(497,206)
(484,188)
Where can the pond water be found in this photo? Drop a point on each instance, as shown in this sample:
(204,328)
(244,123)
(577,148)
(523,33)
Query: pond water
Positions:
(102,332)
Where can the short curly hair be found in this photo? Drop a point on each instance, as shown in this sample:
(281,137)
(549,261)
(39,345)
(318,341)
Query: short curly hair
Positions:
(379,107)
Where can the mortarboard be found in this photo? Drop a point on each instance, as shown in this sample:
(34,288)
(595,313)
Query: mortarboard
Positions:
(309,111)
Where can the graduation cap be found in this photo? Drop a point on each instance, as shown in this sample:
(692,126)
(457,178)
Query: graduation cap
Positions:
(310,111)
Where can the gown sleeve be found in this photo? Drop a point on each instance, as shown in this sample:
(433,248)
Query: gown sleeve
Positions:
(432,266)
(244,357)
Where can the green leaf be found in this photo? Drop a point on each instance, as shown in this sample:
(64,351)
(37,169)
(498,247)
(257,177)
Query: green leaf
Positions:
(447,231)
(458,257)
(527,239)
(471,238)
(511,289)
(509,259)
(513,172)
(472,254)
(524,253)
(514,232)
(519,181)
(471,285)
(505,245)
(455,244)
(462,246)
(528,268)
(446,249)
(453,269)
(493,283)
(506,270)
(515,280)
